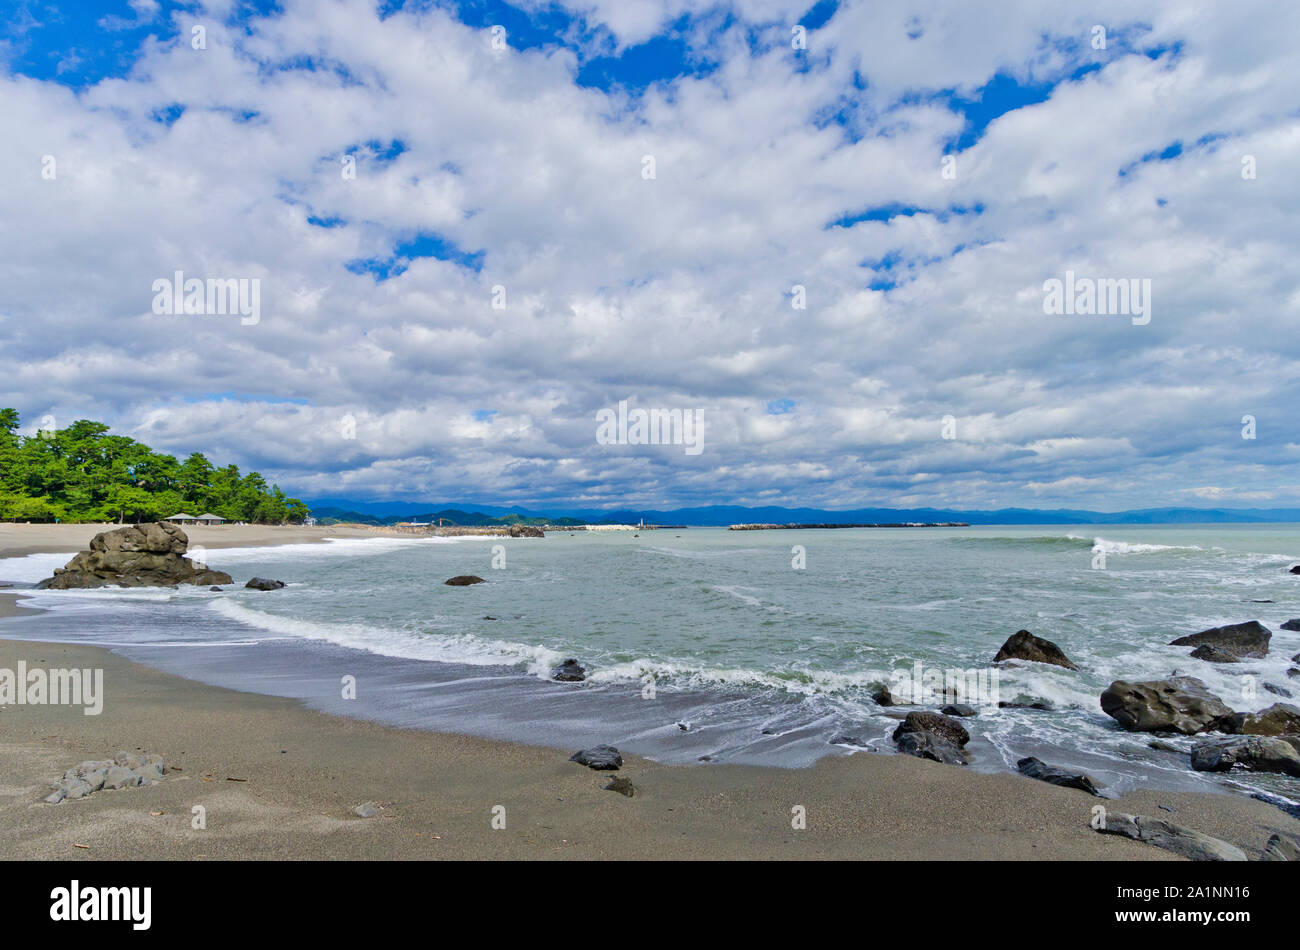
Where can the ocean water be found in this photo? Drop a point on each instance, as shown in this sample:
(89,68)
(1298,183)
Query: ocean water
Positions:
(704,644)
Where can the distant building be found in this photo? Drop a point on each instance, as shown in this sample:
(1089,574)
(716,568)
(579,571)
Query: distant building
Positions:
(182,518)
(210,519)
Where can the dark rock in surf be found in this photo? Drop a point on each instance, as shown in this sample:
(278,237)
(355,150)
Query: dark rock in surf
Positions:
(1211,654)
(1036,768)
(570,671)
(882,696)
(1252,753)
(933,736)
(1296,569)
(1023,645)
(262,583)
(1291,625)
(1026,702)
(1178,704)
(1248,640)
(141,555)
(602,758)
(1278,690)
(1277,720)
(959,709)
(463,580)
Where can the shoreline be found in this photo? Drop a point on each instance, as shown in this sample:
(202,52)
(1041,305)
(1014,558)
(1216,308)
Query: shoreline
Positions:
(278,780)
(20,540)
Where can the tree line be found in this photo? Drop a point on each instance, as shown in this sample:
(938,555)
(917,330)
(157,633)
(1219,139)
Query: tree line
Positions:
(82,473)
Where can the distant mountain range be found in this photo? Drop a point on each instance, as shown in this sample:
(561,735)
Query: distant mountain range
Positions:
(336,509)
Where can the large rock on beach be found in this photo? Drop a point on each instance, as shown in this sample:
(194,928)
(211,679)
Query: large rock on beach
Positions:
(1179,704)
(1023,645)
(1247,640)
(933,736)
(142,555)
(602,758)
(1252,753)
(1037,768)
(1163,834)
(1280,849)
(463,580)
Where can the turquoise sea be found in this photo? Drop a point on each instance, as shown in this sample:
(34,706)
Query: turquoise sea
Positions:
(716,645)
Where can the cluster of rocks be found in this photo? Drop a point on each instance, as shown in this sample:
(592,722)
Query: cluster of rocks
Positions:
(143,555)
(1264,741)
(124,770)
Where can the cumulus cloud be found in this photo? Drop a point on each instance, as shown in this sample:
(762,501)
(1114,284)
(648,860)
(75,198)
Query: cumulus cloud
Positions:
(501,265)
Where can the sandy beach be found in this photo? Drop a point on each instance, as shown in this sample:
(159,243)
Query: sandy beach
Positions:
(19,540)
(279,781)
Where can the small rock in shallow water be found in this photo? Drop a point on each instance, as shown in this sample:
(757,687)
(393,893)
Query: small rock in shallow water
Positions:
(367,810)
(1023,645)
(570,671)
(1253,753)
(621,785)
(1291,625)
(928,735)
(463,580)
(601,758)
(846,740)
(261,583)
(959,709)
(1248,640)
(215,590)
(1212,654)
(1278,690)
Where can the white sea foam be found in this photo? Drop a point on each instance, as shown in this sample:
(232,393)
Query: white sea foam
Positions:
(444,648)
(32,568)
(1103,546)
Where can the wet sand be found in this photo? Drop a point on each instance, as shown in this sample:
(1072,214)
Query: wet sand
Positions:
(301,774)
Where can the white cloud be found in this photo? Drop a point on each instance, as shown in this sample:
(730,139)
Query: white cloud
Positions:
(675,291)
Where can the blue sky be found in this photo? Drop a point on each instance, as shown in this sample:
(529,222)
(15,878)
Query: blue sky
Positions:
(844,242)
